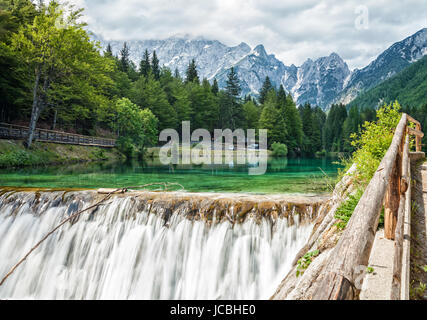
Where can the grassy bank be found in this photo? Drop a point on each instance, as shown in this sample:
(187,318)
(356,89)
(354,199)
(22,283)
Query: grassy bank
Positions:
(14,154)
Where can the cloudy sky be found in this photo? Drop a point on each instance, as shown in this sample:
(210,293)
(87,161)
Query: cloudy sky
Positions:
(293,30)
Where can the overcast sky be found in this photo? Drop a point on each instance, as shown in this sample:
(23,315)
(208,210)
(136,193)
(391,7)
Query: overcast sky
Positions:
(292,30)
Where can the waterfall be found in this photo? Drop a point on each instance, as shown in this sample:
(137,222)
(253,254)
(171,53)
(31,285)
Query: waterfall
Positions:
(131,248)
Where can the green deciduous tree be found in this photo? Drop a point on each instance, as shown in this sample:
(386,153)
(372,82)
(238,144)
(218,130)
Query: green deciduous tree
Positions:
(136,128)
(148,93)
(55,47)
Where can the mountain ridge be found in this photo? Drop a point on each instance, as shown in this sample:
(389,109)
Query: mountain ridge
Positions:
(322,81)
(408,87)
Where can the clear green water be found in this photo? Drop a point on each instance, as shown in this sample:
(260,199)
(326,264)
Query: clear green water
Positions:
(283,176)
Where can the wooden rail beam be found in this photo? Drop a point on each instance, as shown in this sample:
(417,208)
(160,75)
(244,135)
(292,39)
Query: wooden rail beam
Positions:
(354,247)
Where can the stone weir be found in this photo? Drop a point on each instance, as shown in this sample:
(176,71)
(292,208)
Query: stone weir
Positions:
(151,245)
(207,207)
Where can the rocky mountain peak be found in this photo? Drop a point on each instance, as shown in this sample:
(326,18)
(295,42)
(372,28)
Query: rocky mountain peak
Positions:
(320,82)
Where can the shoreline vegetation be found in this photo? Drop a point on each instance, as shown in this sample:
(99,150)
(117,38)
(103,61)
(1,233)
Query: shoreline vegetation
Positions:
(13,154)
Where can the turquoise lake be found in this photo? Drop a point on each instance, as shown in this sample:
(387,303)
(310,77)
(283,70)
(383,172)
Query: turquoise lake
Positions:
(299,175)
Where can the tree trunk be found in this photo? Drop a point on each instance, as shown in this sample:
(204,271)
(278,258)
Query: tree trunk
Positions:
(35,110)
(39,103)
(54,119)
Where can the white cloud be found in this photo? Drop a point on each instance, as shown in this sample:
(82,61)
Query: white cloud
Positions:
(293,31)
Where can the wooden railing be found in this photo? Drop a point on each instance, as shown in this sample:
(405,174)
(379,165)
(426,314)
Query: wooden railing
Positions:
(11,131)
(391,187)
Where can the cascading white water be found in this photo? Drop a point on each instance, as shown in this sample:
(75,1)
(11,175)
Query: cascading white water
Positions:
(110,254)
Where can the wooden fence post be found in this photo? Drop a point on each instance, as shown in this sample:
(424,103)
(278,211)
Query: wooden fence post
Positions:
(418,138)
(392,198)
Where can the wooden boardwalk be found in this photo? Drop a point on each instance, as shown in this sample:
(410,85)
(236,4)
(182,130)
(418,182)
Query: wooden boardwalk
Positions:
(11,131)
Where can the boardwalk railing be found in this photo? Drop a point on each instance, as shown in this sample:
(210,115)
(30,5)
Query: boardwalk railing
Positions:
(391,187)
(11,131)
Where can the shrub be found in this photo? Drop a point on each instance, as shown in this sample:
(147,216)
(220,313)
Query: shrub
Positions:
(371,146)
(346,209)
(279,149)
(18,158)
(305,261)
(126,146)
(374,141)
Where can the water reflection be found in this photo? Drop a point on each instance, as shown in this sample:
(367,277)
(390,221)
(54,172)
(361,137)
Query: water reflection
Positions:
(283,175)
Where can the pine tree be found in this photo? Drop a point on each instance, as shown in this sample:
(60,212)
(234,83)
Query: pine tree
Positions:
(281,96)
(333,130)
(155,66)
(204,106)
(252,114)
(319,118)
(176,74)
(145,65)
(124,58)
(233,90)
(266,88)
(108,51)
(233,87)
(181,101)
(307,126)
(292,119)
(192,75)
(351,125)
(247,98)
(272,120)
(215,88)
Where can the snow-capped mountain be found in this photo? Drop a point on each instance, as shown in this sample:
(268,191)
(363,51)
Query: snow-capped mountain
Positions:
(391,61)
(320,82)
(211,56)
(252,70)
